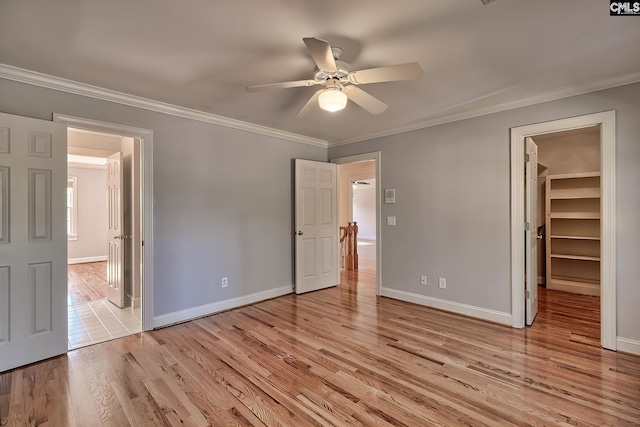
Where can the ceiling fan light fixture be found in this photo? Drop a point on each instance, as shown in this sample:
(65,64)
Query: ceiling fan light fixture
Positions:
(332,99)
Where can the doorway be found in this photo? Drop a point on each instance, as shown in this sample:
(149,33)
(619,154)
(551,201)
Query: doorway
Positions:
(568,229)
(104,292)
(359,202)
(145,137)
(602,124)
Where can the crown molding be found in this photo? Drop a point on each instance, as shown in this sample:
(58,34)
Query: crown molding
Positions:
(441,117)
(57,83)
(457,114)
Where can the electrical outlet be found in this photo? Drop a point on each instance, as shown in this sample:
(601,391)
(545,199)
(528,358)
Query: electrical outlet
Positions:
(442,283)
(423,280)
(225,282)
(391,220)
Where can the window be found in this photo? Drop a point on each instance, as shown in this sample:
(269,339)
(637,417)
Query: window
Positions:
(72,207)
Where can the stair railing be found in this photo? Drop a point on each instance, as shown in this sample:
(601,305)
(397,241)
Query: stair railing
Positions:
(349,246)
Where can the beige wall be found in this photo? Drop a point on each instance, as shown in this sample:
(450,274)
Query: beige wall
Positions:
(570,152)
(348,173)
(92,214)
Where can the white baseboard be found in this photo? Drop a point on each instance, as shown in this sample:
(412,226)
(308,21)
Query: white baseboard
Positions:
(454,307)
(207,309)
(87,259)
(628,346)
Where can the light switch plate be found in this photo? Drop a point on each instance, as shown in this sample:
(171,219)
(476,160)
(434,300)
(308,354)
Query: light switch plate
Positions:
(389,195)
(391,220)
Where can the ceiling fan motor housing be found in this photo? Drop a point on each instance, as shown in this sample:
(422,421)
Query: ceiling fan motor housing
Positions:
(341,73)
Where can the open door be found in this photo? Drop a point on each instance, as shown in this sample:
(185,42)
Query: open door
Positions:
(316,222)
(115,236)
(33,240)
(531,230)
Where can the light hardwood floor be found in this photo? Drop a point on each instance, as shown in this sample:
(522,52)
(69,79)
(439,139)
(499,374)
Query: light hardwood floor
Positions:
(86,282)
(338,357)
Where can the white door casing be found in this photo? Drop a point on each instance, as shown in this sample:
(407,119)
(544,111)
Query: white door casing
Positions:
(531,235)
(33,240)
(131,204)
(607,122)
(145,237)
(115,235)
(316,222)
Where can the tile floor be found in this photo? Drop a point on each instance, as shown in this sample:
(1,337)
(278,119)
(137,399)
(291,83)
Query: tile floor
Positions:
(98,321)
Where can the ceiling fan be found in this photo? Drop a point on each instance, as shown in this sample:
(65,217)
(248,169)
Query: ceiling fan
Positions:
(339,83)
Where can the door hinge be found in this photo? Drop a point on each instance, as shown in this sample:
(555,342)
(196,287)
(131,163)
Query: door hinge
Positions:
(527,226)
(143,243)
(527,294)
(527,158)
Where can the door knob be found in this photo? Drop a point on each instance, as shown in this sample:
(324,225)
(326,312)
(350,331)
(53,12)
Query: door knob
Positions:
(300,233)
(116,237)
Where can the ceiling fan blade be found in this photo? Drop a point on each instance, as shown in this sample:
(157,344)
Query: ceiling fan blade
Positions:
(311,104)
(283,85)
(321,52)
(409,71)
(366,101)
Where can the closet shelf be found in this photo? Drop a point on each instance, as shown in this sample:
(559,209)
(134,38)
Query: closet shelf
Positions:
(575,175)
(575,193)
(577,257)
(575,237)
(572,226)
(575,215)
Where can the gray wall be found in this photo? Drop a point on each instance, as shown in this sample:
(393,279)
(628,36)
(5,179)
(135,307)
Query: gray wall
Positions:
(364,209)
(92,213)
(222,198)
(452,203)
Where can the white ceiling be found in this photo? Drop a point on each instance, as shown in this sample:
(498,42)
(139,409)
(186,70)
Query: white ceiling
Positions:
(90,144)
(200,54)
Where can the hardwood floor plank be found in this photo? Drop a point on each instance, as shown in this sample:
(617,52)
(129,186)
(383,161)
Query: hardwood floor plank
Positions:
(339,357)
(86,282)
(17,404)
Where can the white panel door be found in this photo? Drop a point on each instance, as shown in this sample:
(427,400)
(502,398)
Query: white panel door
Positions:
(316,221)
(115,235)
(531,235)
(33,240)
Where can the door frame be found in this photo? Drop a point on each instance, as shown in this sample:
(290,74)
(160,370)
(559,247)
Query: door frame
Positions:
(146,181)
(531,235)
(607,122)
(375,155)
